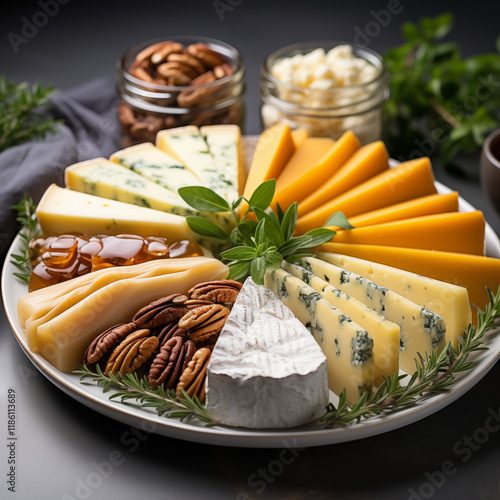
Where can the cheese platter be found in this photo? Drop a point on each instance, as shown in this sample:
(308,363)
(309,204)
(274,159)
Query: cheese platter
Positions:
(311,434)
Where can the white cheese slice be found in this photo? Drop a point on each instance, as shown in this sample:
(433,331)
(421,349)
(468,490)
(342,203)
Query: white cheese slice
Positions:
(266,370)
(188,146)
(421,329)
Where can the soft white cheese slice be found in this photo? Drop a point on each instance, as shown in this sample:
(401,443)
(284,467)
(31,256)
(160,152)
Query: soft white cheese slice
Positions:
(266,370)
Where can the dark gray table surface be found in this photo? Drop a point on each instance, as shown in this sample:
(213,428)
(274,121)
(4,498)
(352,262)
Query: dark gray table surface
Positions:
(64,449)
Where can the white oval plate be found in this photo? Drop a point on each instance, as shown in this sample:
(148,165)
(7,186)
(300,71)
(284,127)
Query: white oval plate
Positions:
(305,436)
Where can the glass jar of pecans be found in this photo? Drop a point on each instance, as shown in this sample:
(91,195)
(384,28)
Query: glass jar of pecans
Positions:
(327,88)
(181,81)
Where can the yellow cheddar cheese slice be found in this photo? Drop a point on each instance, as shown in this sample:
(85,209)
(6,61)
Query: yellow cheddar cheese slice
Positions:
(474,272)
(274,148)
(450,232)
(298,136)
(366,162)
(314,161)
(448,300)
(424,205)
(409,180)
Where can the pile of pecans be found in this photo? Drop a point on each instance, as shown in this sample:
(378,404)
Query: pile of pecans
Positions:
(197,67)
(170,340)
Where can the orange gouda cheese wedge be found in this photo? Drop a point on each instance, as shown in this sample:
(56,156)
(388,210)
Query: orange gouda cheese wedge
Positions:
(451,232)
(474,272)
(311,165)
(424,205)
(366,162)
(409,180)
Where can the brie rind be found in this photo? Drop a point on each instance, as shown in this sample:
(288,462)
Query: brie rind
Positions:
(266,370)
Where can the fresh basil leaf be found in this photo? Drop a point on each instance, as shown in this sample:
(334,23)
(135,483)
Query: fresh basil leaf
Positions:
(205,227)
(338,219)
(319,236)
(203,198)
(237,238)
(263,195)
(272,227)
(280,213)
(273,260)
(260,233)
(258,269)
(294,244)
(237,203)
(288,222)
(247,229)
(240,270)
(239,253)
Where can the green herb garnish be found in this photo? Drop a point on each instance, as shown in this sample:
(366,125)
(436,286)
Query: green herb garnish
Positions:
(434,375)
(164,401)
(441,103)
(26,216)
(260,243)
(21,120)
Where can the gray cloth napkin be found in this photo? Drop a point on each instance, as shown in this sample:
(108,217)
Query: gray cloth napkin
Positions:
(90,129)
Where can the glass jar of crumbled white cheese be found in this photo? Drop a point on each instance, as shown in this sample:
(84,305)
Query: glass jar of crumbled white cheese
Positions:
(325,88)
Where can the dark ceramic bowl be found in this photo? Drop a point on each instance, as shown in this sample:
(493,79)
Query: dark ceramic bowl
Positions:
(490,169)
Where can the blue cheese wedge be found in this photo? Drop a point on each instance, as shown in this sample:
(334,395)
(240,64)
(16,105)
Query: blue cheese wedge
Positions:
(385,333)
(156,165)
(224,142)
(421,329)
(347,346)
(446,299)
(189,147)
(108,179)
(266,370)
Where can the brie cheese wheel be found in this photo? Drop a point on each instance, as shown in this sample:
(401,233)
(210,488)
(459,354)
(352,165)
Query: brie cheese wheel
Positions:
(266,370)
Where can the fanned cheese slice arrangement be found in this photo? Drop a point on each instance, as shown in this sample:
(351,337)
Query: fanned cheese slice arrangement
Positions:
(347,346)
(266,370)
(385,333)
(62,338)
(313,162)
(448,300)
(188,146)
(421,329)
(368,161)
(409,180)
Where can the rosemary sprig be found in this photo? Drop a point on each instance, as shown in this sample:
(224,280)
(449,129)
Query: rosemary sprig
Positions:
(26,216)
(20,120)
(164,401)
(434,375)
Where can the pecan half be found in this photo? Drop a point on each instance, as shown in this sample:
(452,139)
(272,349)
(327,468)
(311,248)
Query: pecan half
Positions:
(218,291)
(132,353)
(166,332)
(161,53)
(104,343)
(205,54)
(189,97)
(170,362)
(192,380)
(204,321)
(161,312)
